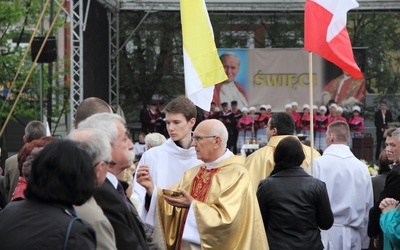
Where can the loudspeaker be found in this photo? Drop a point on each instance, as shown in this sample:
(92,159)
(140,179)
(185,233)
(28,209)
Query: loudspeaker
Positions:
(49,52)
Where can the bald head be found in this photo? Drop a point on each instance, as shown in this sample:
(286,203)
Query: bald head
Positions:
(209,139)
(90,106)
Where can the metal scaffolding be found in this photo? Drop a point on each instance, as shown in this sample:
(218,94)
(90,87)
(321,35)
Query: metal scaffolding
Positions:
(115,6)
(76,56)
(113,17)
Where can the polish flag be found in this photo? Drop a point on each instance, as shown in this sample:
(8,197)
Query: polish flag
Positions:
(325,33)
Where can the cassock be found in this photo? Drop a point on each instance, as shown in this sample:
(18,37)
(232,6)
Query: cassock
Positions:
(350,192)
(166,163)
(261,163)
(224,214)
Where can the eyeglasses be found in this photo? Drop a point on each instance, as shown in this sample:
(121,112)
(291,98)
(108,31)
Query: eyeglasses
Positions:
(110,163)
(199,138)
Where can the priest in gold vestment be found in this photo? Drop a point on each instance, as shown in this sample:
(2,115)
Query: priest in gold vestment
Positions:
(261,163)
(217,207)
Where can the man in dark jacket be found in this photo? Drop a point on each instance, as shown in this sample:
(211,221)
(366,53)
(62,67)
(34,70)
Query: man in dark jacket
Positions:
(392,185)
(129,231)
(382,118)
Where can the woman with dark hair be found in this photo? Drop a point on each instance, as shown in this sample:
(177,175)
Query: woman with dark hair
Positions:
(293,204)
(61,176)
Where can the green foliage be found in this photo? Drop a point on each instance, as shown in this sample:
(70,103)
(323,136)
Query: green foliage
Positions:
(17,22)
(151,63)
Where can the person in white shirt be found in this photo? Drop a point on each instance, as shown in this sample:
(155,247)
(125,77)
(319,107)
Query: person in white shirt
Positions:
(167,163)
(349,186)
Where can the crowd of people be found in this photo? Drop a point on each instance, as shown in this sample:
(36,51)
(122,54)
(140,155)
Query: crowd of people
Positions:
(246,125)
(94,190)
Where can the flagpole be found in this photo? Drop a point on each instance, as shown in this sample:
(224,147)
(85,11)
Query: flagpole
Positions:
(310,89)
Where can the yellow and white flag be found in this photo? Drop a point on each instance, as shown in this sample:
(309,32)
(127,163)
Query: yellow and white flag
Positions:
(203,68)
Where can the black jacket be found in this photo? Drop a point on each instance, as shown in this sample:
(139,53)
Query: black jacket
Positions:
(28,224)
(129,233)
(293,205)
(378,120)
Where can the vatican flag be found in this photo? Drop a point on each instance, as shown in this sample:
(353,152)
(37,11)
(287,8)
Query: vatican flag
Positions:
(203,68)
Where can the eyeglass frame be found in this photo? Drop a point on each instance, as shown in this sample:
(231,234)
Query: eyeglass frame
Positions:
(110,163)
(199,137)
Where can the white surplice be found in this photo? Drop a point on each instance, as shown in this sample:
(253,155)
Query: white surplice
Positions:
(349,186)
(167,163)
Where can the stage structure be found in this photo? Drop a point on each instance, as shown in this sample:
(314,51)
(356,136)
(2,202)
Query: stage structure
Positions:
(113,7)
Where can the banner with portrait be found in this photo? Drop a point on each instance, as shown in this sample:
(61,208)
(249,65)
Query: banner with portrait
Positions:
(281,76)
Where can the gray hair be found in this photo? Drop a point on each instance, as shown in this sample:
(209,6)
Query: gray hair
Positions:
(154,139)
(35,130)
(94,141)
(396,133)
(220,130)
(105,122)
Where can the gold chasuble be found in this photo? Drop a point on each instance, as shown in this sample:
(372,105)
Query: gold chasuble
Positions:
(225,206)
(261,163)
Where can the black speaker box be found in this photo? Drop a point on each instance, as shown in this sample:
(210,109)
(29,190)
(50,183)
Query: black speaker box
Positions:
(49,52)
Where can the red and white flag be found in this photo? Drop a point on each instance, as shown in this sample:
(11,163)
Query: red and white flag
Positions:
(325,33)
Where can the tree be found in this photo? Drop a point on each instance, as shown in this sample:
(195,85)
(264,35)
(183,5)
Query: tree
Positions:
(151,64)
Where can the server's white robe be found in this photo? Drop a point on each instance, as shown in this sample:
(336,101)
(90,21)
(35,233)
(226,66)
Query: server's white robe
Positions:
(349,186)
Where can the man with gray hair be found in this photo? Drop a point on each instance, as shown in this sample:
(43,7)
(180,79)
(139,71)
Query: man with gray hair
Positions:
(349,187)
(129,232)
(209,203)
(154,140)
(392,183)
(95,142)
(33,130)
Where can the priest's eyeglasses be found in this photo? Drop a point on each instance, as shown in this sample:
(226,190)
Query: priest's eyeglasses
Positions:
(199,138)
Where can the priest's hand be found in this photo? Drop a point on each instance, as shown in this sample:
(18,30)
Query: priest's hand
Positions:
(144,179)
(183,201)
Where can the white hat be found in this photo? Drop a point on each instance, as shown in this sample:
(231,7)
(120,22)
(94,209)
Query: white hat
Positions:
(252,108)
(268,106)
(288,106)
(294,104)
(322,108)
(263,107)
(244,109)
(357,108)
(333,105)
(340,109)
(306,106)
(315,106)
